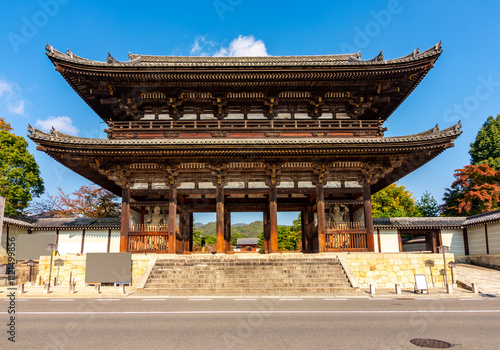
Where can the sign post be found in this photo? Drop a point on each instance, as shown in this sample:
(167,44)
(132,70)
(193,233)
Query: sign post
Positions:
(2,209)
(444,249)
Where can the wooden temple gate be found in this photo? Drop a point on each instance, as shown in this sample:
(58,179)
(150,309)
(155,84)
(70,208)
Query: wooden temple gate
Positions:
(226,134)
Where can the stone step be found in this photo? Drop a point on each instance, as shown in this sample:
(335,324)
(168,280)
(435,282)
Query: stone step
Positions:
(217,269)
(312,281)
(245,291)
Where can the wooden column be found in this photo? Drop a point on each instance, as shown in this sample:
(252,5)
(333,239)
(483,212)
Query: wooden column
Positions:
(221,244)
(367,206)
(273,219)
(172,220)
(309,223)
(125,219)
(190,223)
(486,238)
(303,230)
(267,231)
(227,230)
(320,205)
(466,241)
(109,241)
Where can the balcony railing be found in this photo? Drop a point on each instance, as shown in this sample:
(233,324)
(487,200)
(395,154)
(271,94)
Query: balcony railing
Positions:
(175,128)
(349,236)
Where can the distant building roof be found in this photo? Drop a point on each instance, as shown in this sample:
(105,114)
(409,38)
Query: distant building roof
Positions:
(64,223)
(247,241)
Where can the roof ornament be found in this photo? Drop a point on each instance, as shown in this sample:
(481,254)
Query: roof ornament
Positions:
(439,45)
(416,52)
(49,48)
(110,59)
(69,53)
(435,129)
(379,57)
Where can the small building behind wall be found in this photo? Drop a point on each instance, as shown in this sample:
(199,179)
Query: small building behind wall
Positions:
(436,231)
(482,239)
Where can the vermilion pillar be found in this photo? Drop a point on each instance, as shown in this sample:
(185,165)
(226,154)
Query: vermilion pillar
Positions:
(172,220)
(320,205)
(221,243)
(273,219)
(367,206)
(125,220)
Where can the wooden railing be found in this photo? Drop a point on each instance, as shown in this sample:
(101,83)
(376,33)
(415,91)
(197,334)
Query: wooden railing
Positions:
(350,240)
(148,228)
(173,127)
(148,242)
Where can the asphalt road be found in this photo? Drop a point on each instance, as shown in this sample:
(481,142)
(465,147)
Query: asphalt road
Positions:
(253,323)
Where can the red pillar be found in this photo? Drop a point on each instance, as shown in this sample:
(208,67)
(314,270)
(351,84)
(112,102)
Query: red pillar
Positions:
(172,220)
(320,204)
(221,244)
(125,220)
(273,219)
(367,206)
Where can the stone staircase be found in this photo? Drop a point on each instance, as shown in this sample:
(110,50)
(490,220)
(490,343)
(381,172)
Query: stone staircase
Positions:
(280,274)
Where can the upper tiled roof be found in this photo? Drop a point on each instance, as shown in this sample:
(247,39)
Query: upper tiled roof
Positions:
(492,216)
(419,223)
(136,60)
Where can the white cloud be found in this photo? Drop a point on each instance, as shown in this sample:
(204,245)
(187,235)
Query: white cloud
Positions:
(202,46)
(11,97)
(63,124)
(243,46)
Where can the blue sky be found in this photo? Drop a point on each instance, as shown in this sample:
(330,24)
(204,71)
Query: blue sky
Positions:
(465,83)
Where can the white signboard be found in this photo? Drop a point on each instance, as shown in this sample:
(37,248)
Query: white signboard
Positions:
(421,283)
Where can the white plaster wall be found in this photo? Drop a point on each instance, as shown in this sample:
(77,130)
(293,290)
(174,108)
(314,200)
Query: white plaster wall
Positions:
(114,246)
(375,239)
(13,232)
(70,241)
(477,240)
(494,238)
(389,241)
(454,239)
(96,241)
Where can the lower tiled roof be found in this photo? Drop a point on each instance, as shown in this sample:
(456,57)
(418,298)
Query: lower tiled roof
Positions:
(64,223)
(419,223)
(492,216)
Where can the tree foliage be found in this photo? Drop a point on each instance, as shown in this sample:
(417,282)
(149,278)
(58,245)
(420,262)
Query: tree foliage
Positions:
(486,148)
(474,191)
(394,201)
(20,179)
(428,206)
(88,201)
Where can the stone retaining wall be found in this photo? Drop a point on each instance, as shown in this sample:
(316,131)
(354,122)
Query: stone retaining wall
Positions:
(491,260)
(386,269)
(75,264)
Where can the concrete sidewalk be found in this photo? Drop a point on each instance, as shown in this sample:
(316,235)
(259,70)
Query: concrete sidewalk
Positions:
(115,292)
(487,280)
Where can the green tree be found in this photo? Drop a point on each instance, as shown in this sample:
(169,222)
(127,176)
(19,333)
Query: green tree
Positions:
(428,206)
(474,191)
(486,148)
(20,179)
(394,201)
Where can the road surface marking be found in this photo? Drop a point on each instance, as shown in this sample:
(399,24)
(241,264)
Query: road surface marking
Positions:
(338,299)
(62,300)
(108,299)
(290,299)
(245,299)
(154,299)
(332,312)
(199,299)
(467,299)
(380,299)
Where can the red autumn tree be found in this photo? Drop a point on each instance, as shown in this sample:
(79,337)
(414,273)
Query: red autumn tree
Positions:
(475,190)
(88,201)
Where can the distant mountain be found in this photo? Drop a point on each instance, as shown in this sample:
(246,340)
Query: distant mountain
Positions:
(253,230)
